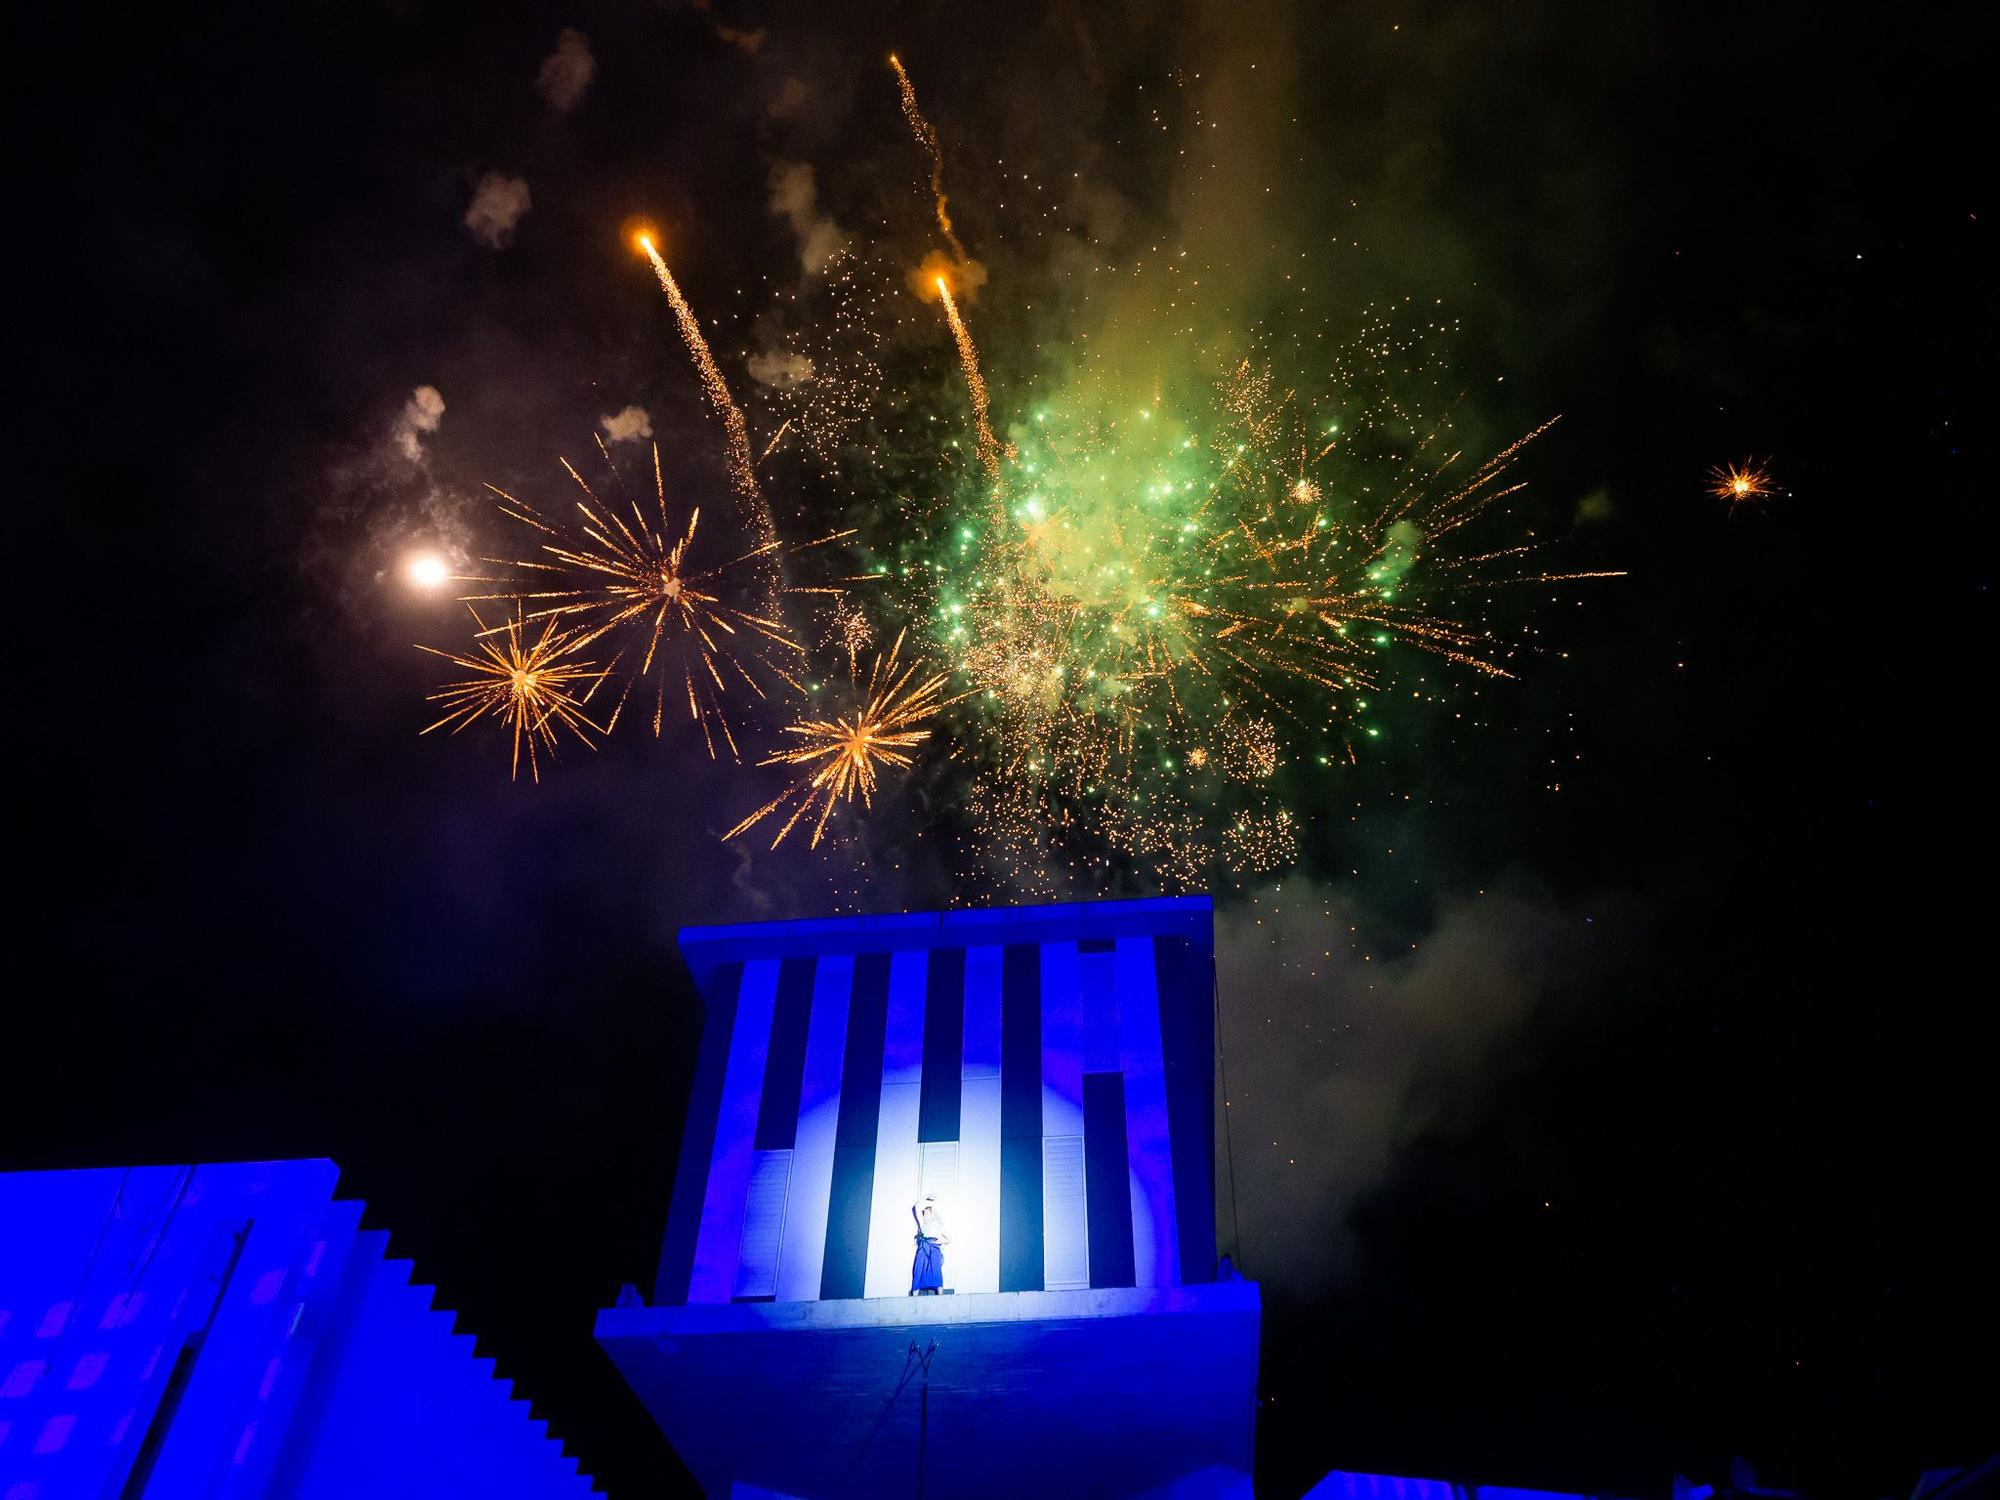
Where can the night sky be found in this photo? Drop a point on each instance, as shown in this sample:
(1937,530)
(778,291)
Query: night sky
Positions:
(1609,1092)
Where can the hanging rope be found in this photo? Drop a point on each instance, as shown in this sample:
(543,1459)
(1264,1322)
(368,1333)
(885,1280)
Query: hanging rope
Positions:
(915,1362)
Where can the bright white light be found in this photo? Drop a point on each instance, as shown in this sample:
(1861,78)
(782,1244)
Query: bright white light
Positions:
(426,570)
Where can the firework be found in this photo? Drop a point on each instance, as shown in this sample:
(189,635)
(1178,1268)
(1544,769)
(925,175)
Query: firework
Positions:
(1259,843)
(1203,572)
(682,621)
(1163,602)
(526,680)
(843,756)
(850,629)
(822,380)
(1155,607)
(742,468)
(1250,751)
(927,138)
(975,384)
(1748,483)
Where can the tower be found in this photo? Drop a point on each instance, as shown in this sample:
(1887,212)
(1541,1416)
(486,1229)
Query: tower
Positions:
(1046,1076)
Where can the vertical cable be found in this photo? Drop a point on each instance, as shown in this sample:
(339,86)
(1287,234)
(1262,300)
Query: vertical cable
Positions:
(1228,1141)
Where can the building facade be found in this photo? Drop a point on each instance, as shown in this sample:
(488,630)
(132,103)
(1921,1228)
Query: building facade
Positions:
(1043,1075)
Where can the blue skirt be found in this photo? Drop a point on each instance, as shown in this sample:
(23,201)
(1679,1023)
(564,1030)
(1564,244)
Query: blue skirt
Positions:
(927,1273)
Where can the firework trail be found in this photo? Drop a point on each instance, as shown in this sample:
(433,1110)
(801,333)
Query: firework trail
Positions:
(742,468)
(975,384)
(969,270)
(845,755)
(928,139)
(525,681)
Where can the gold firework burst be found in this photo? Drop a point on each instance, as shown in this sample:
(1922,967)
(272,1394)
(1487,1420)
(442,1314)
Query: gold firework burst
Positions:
(1260,842)
(618,573)
(851,630)
(842,756)
(527,681)
(1747,483)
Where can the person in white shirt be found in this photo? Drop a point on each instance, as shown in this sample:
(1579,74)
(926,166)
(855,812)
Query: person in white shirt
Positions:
(927,1271)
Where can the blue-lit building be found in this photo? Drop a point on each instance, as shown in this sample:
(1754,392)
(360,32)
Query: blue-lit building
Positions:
(230,1331)
(1046,1076)
(1344,1485)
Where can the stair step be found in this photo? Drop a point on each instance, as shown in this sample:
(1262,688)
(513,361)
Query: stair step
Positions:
(390,1420)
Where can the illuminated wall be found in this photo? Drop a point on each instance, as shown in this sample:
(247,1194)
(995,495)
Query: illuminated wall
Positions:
(1046,1072)
(229,1330)
(1342,1485)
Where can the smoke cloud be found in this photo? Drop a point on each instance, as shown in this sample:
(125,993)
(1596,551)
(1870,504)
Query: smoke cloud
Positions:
(566,72)
(749,42)
(789,99)
(498,205)
(383,500)
(422,414)
(780,368)
(1344,1040)
(632,425)
(794,198)
(1595,506)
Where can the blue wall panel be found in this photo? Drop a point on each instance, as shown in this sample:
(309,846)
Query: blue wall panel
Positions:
(1187,1033)
(944,1039)
(845,1272)
(784,1068)
(1107,1179)
(1021,1118)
